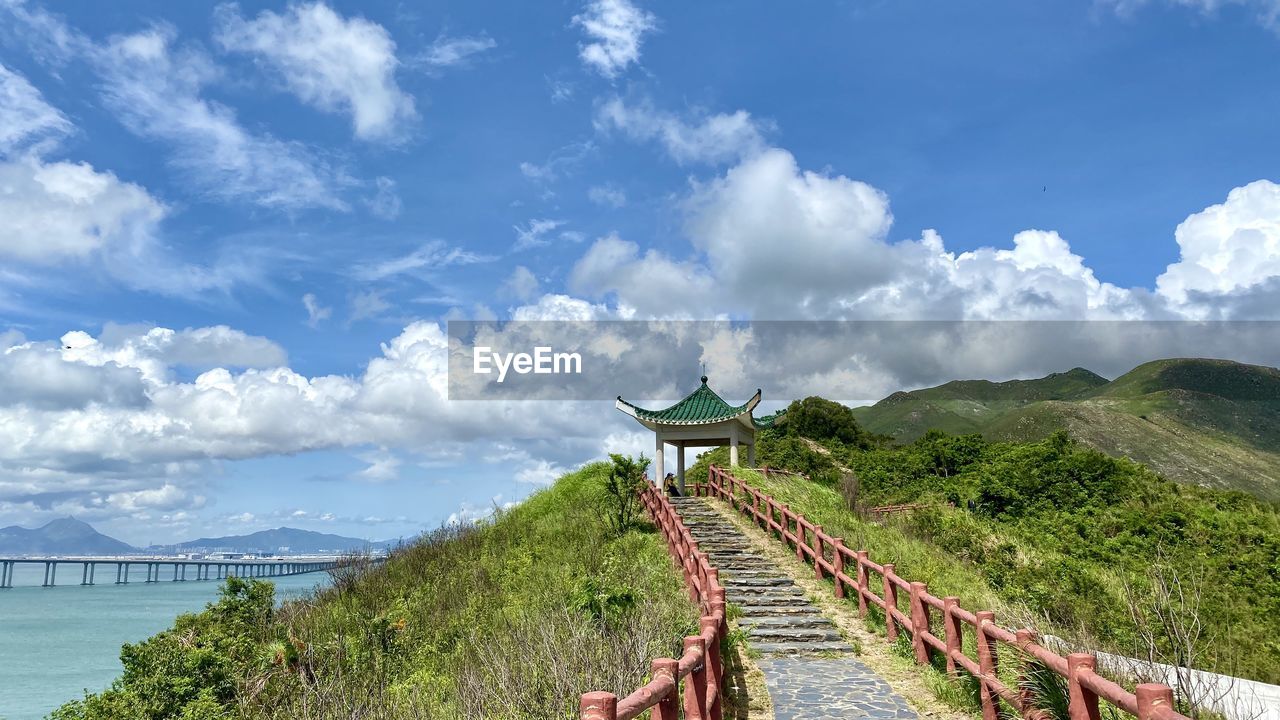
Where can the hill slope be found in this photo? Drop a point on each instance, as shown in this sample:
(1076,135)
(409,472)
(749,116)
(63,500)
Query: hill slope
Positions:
(1207,422)
(297,541)
(66,536)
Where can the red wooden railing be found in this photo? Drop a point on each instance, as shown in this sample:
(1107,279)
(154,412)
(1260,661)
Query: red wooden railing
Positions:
(831,558)
(700,667)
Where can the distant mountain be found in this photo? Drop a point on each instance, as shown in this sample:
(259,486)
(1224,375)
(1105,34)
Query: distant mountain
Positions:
(67,536)
(297,541)
(1208,422)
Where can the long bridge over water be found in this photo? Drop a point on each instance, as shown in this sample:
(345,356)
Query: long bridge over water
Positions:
(156,568)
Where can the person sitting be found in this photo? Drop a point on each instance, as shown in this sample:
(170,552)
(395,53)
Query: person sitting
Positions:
(670,485)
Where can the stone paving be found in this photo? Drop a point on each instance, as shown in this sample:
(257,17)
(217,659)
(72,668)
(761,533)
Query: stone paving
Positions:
(810,670)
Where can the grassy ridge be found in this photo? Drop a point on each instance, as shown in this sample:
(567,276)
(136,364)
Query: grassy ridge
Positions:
(1214,423)
(513,618)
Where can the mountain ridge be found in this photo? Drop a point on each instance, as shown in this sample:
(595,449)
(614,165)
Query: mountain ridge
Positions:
(69,536)
(1203,421)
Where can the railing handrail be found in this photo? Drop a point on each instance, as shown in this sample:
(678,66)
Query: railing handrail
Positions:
(700,666)
(1151,701)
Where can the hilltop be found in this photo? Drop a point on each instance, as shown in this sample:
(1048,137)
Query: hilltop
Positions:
(65,536)
(1206,422)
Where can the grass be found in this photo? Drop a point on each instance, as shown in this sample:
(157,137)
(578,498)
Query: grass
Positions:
(513,618)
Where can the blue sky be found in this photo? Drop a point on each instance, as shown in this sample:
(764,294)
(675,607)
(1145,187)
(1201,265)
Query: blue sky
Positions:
(253,219)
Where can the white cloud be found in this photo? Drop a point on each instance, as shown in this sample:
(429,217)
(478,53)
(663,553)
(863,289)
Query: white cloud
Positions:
(156,90)
(382,467)
(522,284)
(1226,248)
(366,305)
(316,313)
(616,29)
(52,212)
(534,234)
(539,473)
(448,52)
(710,138)
(385,202)
(434,255)
(560,163)
(25,117)
(1266,12)
(333,63)
(607,195)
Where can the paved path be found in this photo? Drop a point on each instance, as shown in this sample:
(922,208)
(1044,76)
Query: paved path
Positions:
(810,670)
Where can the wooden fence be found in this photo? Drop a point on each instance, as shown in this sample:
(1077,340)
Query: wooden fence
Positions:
(700,667)
(831,558)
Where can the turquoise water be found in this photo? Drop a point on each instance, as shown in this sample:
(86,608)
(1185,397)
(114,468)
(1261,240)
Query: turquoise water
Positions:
(55,643)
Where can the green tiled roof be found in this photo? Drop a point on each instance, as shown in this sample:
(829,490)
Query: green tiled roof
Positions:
(701,406)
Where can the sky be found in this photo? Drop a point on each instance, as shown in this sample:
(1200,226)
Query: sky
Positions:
(231,235)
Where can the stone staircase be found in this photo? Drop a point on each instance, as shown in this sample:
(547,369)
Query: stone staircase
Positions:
(777,617)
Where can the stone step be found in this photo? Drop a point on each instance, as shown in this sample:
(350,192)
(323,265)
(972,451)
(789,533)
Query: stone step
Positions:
(788,648)
(785,621)
(787,634)
(738,597)
(792,610)
(742,582)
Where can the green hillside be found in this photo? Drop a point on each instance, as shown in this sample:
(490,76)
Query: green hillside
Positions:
(1214,423)
(1052,534)
(511,618)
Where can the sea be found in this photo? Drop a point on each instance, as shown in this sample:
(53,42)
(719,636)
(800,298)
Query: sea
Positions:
(58,642)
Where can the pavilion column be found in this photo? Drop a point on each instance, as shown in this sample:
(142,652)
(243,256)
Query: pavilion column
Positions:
(751,454)
(680,466)
(659,467)
(733,444)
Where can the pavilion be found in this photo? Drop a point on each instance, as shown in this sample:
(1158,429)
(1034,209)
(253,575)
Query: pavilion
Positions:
(702,419)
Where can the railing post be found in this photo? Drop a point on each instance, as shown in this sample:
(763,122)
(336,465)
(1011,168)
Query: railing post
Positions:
(1083,701)
(819,554)
(800,541)
(668,708)
(919,622)
(890,602)
(988,665)
(598,705)
(1152,696)
(715,703)
(695,687)
(1026,697)
(951,624)
(860,557)
(837,562)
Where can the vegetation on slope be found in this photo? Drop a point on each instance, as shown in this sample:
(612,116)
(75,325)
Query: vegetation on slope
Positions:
(1214,423)
(512,618)
(1055,534)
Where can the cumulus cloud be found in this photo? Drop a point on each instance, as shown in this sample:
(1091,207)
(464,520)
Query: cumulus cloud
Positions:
(50,212)
(616,29)
(333,63)
(1226,248)
(710,138)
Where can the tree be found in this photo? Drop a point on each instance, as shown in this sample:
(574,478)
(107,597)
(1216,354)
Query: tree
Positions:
(821,419)
(622,488)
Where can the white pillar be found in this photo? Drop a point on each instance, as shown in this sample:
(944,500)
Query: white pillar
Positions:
(680,466)
(733,444)
(659,470)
